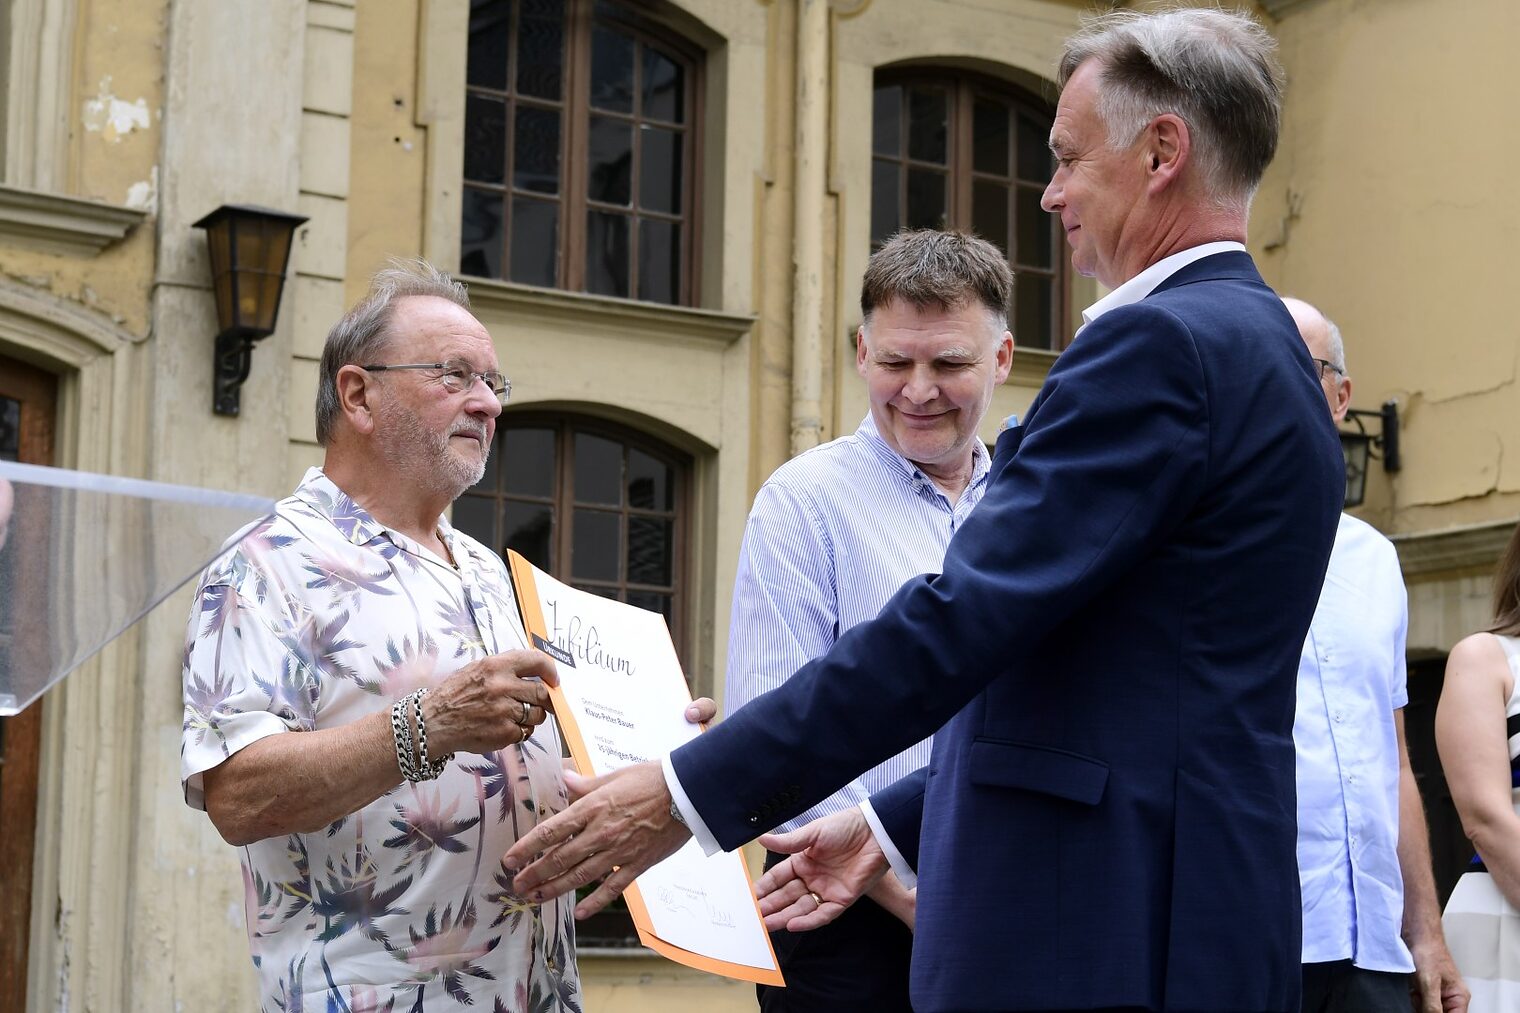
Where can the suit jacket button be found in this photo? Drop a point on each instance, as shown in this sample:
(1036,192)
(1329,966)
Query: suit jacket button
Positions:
(754,819)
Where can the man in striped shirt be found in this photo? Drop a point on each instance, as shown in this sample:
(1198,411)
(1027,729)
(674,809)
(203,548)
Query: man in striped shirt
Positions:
(835,531)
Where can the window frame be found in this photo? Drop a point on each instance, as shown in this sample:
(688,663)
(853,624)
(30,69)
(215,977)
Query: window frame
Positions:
(962,88)
(573,199)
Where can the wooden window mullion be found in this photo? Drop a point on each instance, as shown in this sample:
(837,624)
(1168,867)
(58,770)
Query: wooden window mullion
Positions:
(577,143)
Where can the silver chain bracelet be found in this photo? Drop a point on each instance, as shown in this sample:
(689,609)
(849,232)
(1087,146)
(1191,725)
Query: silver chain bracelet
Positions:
(402,734)
(426,770)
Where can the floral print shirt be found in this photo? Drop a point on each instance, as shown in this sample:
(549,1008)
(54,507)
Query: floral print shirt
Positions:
(320,617)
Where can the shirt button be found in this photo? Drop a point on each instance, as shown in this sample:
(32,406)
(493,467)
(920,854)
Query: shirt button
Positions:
(1339,717)
(1350,778)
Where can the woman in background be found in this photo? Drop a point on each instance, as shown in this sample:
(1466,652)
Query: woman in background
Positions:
(1478,735)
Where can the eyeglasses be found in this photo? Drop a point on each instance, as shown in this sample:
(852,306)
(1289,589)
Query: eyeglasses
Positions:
(456,376)
(1325,364)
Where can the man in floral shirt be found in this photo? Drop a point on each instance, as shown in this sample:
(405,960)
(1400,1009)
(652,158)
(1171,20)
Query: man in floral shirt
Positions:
(367,890)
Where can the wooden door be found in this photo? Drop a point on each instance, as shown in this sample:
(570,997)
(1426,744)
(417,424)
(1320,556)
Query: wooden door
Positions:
(28,399)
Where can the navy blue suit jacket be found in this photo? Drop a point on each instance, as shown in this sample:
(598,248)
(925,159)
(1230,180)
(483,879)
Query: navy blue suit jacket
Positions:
(1109,815)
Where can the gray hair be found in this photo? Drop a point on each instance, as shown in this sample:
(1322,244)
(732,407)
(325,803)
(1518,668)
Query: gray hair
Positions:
(1335,347)
(1215,69)
(364,331)
(930,269)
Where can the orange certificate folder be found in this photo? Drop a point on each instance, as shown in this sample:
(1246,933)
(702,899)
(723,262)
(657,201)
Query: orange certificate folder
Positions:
(622,700)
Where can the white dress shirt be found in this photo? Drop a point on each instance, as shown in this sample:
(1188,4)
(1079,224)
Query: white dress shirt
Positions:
(1350,682)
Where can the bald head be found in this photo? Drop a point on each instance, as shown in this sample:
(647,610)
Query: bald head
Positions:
(1324,340)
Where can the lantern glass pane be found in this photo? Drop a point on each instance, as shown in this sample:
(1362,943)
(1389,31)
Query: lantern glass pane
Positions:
(219,247)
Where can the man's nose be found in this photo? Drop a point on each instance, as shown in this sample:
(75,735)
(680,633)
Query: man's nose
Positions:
(483,400)
(922,387)
(1051,200)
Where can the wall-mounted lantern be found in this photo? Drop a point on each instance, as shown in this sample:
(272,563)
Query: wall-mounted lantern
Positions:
(1358,447)
(249,248)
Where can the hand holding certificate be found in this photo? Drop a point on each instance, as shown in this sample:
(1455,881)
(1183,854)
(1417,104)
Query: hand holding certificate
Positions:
(620,702)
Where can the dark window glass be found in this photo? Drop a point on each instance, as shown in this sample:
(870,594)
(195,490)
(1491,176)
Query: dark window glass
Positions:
(928,122)
(1033,308)
(926,199)
(606,254)
(989,212)
(611,70)
(1035,162)
(659,259)
(651,602)
(1036,230)
(663,87)
(480,238)
(485,147)
(623,138)
(884,198)
(886,122)
(476,514)
(989,137)
(610,161)
(527,457)
(659,170)
(598,470)
(527,529)
(535,150)
(535,234)
(649,550)
(541,49)
(595,549)
(490,36)
(10,429)
(651,482)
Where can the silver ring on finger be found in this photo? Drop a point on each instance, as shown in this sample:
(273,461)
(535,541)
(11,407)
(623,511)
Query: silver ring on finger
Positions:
(524,719)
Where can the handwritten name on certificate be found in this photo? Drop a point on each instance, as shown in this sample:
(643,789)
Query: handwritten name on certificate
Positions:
(622,700)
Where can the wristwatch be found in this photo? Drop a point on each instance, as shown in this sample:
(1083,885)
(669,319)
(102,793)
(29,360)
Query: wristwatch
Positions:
(675,814)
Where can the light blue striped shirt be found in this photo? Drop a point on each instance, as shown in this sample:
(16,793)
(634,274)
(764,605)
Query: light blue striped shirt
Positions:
(832,535)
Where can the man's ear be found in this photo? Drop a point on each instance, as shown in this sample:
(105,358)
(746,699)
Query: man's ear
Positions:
(860,350)
(1168,149)
(353,399)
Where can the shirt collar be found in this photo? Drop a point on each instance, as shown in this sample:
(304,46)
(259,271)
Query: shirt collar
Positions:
(355,523)
(980,461)
(1144,283)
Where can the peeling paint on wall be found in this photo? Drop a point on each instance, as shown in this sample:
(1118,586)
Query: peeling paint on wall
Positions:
(114,118)
(143,195)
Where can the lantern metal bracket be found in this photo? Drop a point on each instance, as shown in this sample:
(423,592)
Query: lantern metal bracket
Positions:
(1386,443)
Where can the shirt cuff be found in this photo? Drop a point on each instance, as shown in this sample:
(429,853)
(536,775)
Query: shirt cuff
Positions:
(694,823)
(905,872)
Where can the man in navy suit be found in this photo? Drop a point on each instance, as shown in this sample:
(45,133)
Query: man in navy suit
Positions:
(1107,821)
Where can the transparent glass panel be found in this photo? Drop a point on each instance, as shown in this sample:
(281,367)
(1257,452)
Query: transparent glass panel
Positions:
(651,483)
(485,139)
(10,429)
(480,234)
(528,462)
(528,529)
(535,149)
(611,70)
(541,49)
(885,180)
(1036,230)
(476,517)
(660,170)
(595,552)
(598,470)
(928,123)
(490,27)
(606,254)
(989,212)
(989,136)
(886,121)
(1033,310)
(659,261)
(927,199)
(649,551)
(610,161)
(663,88)
(83,557)
(650,601)
(535,241)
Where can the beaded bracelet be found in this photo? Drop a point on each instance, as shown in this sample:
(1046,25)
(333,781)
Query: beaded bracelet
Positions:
(426,770)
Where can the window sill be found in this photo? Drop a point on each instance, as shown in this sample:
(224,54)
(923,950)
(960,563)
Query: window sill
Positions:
(1031,365)
(58,224)
(650,318)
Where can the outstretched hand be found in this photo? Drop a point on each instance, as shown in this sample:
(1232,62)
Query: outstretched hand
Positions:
(835,860)
(619,827)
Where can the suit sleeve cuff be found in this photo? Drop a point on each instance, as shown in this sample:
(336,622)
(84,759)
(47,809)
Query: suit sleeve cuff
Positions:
(905,872)
(694,822)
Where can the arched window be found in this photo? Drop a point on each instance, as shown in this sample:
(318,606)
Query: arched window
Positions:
(968,152)
(595,505)
(580,149)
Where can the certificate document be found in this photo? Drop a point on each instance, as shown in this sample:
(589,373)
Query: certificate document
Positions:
(621,700)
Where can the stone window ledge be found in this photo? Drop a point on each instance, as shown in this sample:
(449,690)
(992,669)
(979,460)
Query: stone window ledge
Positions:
(58,224)
(530,301)
(1031,365)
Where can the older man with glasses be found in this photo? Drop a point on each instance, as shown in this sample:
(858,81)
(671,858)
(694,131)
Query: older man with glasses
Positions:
(363,717)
